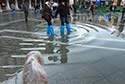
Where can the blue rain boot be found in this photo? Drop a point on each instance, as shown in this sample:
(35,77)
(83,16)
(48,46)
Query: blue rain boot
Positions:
(51,30)
(68,28)
(62,30)
(14,11)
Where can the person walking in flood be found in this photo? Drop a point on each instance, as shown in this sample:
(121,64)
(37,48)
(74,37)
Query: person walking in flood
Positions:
(92,10)
(25,9)
(112,9)
(123,10)
(47,15)
(64,11)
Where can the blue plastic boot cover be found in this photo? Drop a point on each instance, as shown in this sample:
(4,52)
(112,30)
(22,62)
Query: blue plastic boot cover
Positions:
(14,11)
(68,27)
(62,28)
(51,30)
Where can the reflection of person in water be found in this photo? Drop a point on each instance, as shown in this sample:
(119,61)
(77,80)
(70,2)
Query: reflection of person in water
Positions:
(53,58)
(64,38)
(49,48)
(63,51)
(63,58)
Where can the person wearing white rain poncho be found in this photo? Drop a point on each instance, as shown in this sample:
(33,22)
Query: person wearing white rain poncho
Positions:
(34,72)
(54,8)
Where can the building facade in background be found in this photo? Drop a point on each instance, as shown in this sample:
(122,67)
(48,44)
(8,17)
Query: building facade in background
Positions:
(7,4)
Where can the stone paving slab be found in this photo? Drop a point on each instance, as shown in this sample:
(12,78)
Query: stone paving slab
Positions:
(118,78)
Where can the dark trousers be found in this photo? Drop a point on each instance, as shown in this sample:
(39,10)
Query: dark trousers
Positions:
(48,20)
(64,20)
(123,12)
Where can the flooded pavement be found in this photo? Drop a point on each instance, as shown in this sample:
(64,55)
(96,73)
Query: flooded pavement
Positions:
(87,55)
(17,38)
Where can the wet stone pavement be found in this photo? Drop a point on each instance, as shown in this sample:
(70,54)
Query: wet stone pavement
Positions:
(89,55)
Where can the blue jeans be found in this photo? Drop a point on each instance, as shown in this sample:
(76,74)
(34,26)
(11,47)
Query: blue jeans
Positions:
(64,20)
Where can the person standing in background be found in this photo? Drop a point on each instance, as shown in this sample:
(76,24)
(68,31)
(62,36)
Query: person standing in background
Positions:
(92,10)
(112,9)
(123,9)
(25,9)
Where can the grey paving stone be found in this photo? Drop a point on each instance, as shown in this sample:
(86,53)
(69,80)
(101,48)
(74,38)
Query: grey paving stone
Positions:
(72,74)
(103,81)
(118,78)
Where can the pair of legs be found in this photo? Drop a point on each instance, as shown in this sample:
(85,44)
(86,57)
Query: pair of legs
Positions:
(63,21)
(50,28)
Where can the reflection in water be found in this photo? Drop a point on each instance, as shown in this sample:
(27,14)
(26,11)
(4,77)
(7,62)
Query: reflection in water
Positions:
(53,58)
(49,48)
(64,38)
(62,51)
(51,38)
(27,26)
(9,47)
